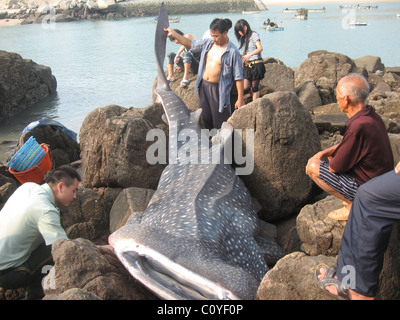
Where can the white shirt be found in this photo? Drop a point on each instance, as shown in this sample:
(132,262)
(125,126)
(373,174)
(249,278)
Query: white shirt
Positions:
(28,219)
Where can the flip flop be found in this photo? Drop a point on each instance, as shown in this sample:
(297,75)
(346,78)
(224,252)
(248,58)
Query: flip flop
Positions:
(329,280)
(184,83)
(341,214)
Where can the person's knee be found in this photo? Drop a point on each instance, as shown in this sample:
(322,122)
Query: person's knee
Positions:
(312,169)
(255,89)
(171,57)
(187,58)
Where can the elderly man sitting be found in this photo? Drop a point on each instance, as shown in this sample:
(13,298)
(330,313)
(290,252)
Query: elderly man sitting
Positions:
(364,152)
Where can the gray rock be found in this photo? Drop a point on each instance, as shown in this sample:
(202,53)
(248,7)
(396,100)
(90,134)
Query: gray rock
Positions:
(278,77)
(88,215)
(292,278)
(309,95)
(22,83)
(81,264)
(371,63)
(319,233)
(284,139)
(114,146)
(129,201)
(325,69)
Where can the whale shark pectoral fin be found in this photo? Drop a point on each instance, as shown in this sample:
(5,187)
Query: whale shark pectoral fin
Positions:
(222,144)
(160,47)
(195,117)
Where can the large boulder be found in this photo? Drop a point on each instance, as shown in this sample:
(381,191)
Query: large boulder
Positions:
(278,77)
(321,238)
(319,233)
(325,69)
(284,139)
(309,95)
(292,278)
(88,215)
(388,108)
(95,270)
(114,146)
(371,63)
(129,201)
(22,83)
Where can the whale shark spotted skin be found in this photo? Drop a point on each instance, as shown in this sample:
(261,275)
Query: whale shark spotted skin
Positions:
(196,239)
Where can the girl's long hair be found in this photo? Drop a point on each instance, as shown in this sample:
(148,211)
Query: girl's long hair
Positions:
(243,40)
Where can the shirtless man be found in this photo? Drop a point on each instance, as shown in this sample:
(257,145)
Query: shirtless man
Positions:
(220,65)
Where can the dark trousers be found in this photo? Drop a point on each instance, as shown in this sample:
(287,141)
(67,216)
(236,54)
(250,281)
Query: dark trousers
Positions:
(29,274)
(375,209)
(209,103)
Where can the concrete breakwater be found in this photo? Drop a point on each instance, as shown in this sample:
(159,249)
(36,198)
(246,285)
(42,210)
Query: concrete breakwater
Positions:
(74,10)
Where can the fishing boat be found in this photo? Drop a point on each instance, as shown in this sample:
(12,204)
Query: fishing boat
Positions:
(171,20)
(276,28)
(250,12)
(272,26)
(366,7)
(302,14)
(357,24)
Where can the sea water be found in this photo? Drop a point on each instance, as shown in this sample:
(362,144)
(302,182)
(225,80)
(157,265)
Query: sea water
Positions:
(98,63)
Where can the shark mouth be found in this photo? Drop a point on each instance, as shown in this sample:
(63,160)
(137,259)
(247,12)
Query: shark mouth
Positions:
(165,278)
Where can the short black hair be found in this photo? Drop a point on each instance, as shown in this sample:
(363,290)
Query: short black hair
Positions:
(221,25)
(64,173)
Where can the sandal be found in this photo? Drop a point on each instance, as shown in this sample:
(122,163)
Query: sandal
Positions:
(329,280)
(341,214)
(184,83)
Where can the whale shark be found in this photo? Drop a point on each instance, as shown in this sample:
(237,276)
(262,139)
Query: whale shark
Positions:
(197,237)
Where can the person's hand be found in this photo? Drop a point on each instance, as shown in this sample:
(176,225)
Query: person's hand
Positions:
(397,169)
(239,103)
(169,31)
(245,58)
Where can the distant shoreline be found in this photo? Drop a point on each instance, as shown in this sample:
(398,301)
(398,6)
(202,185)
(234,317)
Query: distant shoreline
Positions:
(138,8)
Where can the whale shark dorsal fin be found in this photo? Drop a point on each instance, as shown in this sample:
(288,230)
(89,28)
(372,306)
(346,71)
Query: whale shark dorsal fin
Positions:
(164,118)
(160,47)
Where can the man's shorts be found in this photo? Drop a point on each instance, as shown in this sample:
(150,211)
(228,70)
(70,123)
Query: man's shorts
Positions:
(341,182)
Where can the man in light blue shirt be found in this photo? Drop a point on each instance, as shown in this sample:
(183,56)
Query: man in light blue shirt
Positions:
(29,225)
(220,65)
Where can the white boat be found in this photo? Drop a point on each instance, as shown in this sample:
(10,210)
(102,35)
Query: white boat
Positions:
(301,16)
(276,28)
(357,24)
(398,15)
(170,20)
(250,12)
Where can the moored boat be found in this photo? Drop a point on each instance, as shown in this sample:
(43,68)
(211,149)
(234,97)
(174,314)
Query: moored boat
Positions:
(357,24)
(275,28)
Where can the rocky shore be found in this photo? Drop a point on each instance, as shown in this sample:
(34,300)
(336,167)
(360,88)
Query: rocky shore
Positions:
(297,116)
(40,11)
